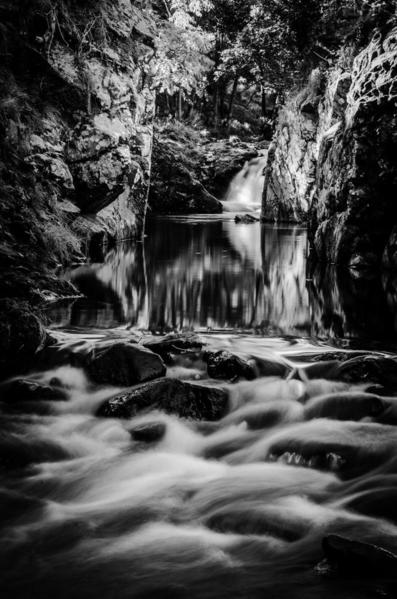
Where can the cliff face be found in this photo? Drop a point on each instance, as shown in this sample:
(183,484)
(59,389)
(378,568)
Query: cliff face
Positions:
(76,118)
(75,127)
(333,158)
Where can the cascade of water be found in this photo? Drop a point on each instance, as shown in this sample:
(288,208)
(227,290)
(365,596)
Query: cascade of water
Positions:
(245,190)
(235,511)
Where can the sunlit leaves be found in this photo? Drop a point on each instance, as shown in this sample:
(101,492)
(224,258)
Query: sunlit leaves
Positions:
(181,58)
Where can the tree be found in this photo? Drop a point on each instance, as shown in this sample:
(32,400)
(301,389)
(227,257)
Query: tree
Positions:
(180,61)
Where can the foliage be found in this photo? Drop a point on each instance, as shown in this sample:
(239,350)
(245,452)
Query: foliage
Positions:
(180,60)
(277,41)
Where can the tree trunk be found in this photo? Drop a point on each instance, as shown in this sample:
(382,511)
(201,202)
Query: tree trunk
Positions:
(216,106)
(180,105)
(264,102)
(231,101)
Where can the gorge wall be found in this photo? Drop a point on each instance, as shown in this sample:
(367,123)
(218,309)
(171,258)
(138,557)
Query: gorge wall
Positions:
(76,117)
(76,130)
(332,161)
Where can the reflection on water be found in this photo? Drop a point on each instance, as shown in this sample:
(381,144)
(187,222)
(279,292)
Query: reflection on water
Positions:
(356,308)
(211,274)
(198,274)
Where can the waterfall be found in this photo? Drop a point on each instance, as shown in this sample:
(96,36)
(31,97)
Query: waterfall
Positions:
(245,190)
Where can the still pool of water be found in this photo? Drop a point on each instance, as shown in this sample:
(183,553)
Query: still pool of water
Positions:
(209,274)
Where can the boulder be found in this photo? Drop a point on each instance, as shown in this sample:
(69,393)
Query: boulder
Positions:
(347,448)
(376,502)
(245,219)
(225,365)
(351,557)
(20,451)
(173,344)
(29,390)
(350,405)
(21,335)
(268,367)
(148,432)
(123,363)
(375,369)
(325,369)
(186,400)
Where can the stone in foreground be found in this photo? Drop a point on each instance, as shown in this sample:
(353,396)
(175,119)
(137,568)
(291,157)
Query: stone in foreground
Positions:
(186,400)
(174,344)
(362,369)
(29,390)
(149,432)
(225,365)
(245,219)
(351,557)
(349,449)
(124,364)
(22,335)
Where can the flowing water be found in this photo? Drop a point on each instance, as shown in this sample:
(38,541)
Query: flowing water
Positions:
(237,508)
(245,190)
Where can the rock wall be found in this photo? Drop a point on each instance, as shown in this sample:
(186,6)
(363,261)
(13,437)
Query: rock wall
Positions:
(76,115)
(332,162)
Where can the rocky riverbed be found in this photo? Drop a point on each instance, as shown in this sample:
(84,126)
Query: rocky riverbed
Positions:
(212,462)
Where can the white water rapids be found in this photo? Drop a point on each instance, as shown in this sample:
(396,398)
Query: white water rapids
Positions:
(211,510)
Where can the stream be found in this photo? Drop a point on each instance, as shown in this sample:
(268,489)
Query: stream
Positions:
(241,507)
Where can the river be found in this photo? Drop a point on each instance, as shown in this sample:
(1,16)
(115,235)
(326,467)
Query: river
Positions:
(208,273)
(237,508)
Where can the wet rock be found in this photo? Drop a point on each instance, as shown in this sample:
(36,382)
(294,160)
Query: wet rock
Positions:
(29,390)
(18,451)
(347,448)
(123,363)
(374,369)
(350,557)
(266,367)
(186,400)
(329,461)
(376,502)
(319,370)
(21,335)
(328,356)
(225,365)
(174,344)
(339,356)
(246,219)
(345,406)
(362,368)
(148,432)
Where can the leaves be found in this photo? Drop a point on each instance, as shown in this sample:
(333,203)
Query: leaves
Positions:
(181,61)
